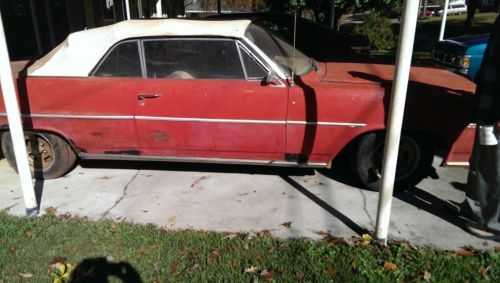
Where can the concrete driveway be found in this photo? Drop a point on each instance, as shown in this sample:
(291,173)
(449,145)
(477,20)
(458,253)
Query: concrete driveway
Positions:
(246,199)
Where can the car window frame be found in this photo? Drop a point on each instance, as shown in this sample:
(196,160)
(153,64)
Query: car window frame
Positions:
(142,40)
(108,53)
(243,48)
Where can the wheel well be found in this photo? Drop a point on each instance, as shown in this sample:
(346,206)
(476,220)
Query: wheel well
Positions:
(437,142)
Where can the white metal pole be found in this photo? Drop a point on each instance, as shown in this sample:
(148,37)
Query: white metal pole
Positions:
(443,20)
(159,12)
(139,9)
(396,113)
(15,126)
(127,9)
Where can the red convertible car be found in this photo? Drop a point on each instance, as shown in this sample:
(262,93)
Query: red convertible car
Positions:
(222,91)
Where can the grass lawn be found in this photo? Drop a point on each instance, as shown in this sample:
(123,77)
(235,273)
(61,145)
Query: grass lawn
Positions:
(146,253)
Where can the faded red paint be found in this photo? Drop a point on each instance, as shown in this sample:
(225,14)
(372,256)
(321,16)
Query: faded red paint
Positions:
(438,103)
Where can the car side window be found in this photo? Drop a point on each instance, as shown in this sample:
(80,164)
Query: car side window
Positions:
(254,70)
(192,59)
(122,61)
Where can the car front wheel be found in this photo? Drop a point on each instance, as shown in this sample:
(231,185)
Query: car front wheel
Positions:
(414,160)
(49,156)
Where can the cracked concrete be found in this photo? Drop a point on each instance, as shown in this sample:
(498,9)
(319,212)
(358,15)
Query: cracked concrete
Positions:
(246,199)
(123,195)
(372,223)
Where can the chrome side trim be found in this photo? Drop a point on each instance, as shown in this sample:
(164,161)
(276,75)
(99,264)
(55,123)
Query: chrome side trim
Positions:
(127,157)
(458,163)
(62,116)
(201,120)
(204,120)
(342,124)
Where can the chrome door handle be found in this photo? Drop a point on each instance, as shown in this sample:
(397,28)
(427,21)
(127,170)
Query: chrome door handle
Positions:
(147,96)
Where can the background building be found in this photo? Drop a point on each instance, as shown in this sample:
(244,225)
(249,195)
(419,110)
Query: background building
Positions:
(34,27)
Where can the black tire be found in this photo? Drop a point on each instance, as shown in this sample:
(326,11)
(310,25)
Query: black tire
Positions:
(414,160)
(49,155)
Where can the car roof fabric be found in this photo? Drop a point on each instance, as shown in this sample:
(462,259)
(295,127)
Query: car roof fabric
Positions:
(81,51)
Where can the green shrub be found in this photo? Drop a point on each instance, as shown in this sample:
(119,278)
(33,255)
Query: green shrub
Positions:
(378,30)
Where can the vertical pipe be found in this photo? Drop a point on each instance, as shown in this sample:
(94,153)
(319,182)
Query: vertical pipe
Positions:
(219,6)
(159,12)
(36,28)
(332,16)
(443,20)
(140,11)
(127,9)
(15,126)
(396,113)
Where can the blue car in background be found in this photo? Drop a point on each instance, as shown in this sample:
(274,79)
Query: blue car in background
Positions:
(462,55)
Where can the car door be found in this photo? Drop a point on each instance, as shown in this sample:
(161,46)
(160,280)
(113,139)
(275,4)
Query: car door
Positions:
(95,113)
(204,98)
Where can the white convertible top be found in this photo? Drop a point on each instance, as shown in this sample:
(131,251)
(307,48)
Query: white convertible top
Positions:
(81,51)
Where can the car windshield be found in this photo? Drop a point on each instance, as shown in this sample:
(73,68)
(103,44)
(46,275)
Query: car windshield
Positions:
(279,51)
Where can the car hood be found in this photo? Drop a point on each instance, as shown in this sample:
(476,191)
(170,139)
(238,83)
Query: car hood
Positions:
(383,75)
(468,41)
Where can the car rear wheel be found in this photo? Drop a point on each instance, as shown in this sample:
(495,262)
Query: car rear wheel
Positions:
(49,156)
(414,160)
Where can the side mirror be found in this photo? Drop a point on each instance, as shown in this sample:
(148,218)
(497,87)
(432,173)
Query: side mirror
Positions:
(271,79)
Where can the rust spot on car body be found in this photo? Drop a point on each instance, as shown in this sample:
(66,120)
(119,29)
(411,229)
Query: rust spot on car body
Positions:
(97,135)
(161,137)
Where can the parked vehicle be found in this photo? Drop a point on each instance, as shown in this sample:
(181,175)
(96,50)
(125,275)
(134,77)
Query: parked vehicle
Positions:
(430,10)
(462,55)
(317,41)
(455,9)
(222,92)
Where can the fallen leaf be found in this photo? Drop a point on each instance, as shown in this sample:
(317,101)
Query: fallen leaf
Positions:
(12,249)
(118,244)
(193,256)
(234,264)
(497,249)
(173,267)
(464,253)
(50,211)
(251,269)
(230,236)
(366,239)
(334,240)
(105,178)
(144,211)
(390,266)
(26,275)
(215,253)
(113,228)
(287,224)
(267,274)
(330,271)
(258,257)
(243,194)
(485,244)
(28,234)
(427,275)
(56,260)
(481,269)
(300,275)
(321,233)
(193,267)
(65,215)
